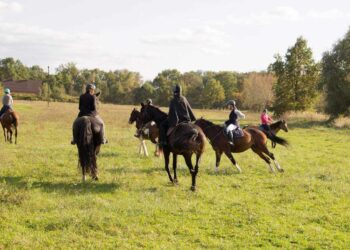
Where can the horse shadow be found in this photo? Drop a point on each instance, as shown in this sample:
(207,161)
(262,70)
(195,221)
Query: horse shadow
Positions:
(60,187)
(141,170)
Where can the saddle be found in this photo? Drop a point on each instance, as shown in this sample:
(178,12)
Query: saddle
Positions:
(237,133)
(267,133)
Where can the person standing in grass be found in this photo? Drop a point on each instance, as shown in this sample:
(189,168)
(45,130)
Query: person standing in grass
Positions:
(232,123)
(7,102)
(87,107)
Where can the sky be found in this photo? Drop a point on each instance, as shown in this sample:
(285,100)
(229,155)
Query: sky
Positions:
(149,36)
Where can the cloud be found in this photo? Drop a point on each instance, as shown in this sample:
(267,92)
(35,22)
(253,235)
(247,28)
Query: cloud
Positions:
(332,14)
(13,6)
(208,39)
(282,13)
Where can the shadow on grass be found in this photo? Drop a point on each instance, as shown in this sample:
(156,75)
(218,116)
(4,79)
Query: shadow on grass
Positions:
(141,170)
(308,124)
(108,154)
(63,187)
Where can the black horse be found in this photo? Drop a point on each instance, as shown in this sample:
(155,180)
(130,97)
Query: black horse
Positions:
(185,139)
(86,133)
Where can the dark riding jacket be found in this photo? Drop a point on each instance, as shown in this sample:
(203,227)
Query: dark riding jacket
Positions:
(87,105)
(180,111)
(233,119)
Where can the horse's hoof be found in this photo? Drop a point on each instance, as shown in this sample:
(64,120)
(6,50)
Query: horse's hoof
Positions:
(95,178)
(281,170)
(193,188)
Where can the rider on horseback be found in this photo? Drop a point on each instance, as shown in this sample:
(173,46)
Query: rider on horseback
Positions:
(87,107)
(266,121)
(7,102)
(232,123)
(179,111)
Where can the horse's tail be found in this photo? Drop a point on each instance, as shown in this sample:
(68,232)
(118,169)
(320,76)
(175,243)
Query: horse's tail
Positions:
(15,119)
(279,140)
(86,147)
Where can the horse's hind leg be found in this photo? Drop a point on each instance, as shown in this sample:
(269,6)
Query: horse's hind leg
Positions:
(262,156)
(166,159)
(229,155)
(15,135)
(267,152)
(192,170)
(4,133)
(11,135)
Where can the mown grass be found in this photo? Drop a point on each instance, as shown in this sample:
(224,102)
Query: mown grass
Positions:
(43,203)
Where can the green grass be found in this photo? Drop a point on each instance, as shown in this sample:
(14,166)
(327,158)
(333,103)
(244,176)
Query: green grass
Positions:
(43,203)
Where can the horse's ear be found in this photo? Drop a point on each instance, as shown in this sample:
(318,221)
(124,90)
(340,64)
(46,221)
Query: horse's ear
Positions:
(142,105)
(134,109)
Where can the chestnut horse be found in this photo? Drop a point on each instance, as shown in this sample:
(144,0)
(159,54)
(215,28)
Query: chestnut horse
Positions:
(9,121)
(253,138)
(185,139)
(147,132)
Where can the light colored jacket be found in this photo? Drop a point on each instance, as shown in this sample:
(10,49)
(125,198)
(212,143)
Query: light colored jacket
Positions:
(7,100)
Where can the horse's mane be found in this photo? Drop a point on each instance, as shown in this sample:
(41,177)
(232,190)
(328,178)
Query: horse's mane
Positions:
(276,124)
(211,124)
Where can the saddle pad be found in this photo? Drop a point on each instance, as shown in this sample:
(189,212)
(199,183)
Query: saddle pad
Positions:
(238,133)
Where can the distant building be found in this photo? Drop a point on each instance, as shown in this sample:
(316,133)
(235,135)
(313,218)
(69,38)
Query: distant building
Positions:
(24,86)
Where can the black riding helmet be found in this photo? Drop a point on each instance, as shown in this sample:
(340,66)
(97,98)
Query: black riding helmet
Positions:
(177,90)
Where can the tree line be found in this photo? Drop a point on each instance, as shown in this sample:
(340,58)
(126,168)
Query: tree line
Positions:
(293,82)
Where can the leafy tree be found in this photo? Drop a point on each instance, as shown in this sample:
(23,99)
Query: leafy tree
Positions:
(257,91)
(336,78)
(164,83)
(297,78)
(193,83)
(144,92)
(213,94)
(37,73)
(11,69)
(228,80)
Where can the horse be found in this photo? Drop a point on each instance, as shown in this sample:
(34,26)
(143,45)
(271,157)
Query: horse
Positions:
(274,129)
(10,120)
(87,136)
(185,139)
(147,132)
(252,138)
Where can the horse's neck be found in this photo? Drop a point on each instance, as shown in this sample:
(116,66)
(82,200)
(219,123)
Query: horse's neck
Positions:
(159,116)
(212,130)
(275,127)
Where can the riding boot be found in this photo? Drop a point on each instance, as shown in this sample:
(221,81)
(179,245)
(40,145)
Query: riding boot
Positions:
(231,140)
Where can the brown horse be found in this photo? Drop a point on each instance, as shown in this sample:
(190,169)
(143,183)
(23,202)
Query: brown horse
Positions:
(253,138)
(147,132)
(185,139)
(86,134)
(9,121)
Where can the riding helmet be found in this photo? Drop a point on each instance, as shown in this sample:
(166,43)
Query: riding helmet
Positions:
(149,101)
(90,86)
(231,102)
(7,91)
(177,90)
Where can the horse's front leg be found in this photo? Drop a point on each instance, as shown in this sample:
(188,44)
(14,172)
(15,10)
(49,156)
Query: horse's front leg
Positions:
(174,167)
(188,159)
(218,159)
(166,159)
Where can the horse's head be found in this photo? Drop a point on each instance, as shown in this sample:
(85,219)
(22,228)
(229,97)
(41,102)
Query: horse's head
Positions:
(145,113)
(134,116)
(284,126)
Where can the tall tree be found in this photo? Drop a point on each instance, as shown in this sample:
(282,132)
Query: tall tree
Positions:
(11,69)
(335,78)
(297,78)
(228,80)
(213,94)
(164,83)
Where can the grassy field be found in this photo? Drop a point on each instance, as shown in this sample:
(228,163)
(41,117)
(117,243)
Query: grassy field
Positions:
(43,203)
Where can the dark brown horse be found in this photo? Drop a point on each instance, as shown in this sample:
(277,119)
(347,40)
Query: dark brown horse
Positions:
(274,129)
(86,134)
(9,121)
(185,139)
(149,131)
(253,138)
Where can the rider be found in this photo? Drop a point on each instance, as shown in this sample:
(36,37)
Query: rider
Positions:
(266,121)
(232,123)
(149,101)
(7,101)
(87,107)
(179,111)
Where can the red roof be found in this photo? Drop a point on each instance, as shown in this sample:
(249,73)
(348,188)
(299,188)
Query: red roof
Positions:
(24,86)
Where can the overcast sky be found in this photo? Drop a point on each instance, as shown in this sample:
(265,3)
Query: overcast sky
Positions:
(149,36)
